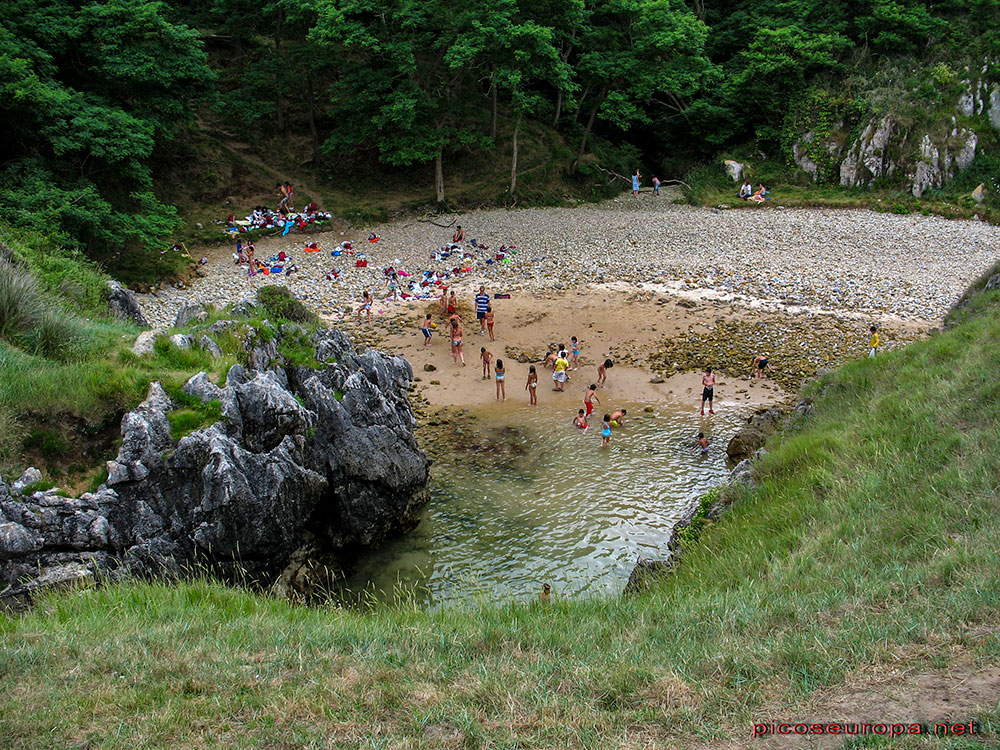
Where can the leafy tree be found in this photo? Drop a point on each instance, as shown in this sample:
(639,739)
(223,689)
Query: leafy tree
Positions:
(88,90)
(405,69)
(633,51)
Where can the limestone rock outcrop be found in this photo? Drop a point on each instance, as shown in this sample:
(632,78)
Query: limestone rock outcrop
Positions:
(325,455)
(122,303)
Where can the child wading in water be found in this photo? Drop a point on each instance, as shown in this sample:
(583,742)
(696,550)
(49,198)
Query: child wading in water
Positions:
(707,390)
(580,420)
(487,358)
(701,445)
(501,386)
(532,386)
(606,431)
(588,400)
(602,372)
(425,329)
(489,322)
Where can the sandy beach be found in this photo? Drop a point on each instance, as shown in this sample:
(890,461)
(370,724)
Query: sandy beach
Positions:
(664,290)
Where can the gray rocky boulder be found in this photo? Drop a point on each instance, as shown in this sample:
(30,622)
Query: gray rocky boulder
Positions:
(144,343)
(122,303)
(30,476)
(182,341)
(324,457)
(190,312)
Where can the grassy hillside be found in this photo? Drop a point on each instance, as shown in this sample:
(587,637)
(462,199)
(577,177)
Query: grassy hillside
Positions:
(870,545)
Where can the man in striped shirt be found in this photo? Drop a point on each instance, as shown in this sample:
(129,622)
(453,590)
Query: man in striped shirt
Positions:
(482,303)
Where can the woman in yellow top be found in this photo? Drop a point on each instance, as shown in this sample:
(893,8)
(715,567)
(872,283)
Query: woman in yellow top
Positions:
(874,342)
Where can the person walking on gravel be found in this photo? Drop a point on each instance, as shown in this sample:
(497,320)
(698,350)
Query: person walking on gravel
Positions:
(635,184)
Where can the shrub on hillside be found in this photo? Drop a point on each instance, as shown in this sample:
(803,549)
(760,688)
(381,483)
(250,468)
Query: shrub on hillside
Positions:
(278,302)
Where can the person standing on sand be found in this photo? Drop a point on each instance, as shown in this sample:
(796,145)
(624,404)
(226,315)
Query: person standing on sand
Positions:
(487,357)
(707,390)
(456,342)
(489,322)
(501,385)
(366,306)
(635,184)
(559,373)
(482,304)
(532,386)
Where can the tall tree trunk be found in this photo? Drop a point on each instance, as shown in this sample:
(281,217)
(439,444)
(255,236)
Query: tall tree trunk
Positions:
(559,98)
(513,159)
(311,94)
(579,108)
(438,177)
(590,125)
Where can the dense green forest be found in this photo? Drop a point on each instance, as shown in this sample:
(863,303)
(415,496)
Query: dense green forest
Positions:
(104,103)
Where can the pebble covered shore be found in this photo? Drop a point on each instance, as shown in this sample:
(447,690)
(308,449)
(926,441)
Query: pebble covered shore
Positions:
(910,267)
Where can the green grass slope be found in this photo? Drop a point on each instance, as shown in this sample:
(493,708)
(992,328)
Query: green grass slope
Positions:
(871,543)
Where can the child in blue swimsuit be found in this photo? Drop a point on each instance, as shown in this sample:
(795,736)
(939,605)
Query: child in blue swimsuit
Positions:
(501,386)
(606,431)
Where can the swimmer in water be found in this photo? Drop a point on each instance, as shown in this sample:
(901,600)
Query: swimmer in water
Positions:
(580,420)
(546,596)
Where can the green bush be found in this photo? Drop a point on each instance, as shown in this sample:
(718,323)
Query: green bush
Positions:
(279,303)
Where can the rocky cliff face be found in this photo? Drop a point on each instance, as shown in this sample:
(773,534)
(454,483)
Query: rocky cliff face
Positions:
(324,457)
(883,147)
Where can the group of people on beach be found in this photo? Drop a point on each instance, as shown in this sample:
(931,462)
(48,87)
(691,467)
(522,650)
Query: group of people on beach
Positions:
(561,360)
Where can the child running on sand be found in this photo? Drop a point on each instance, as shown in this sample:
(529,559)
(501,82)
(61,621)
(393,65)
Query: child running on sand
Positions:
(532,386)
(501,386)
(602,372)
(574,355)
(588,400)
(456,342)
(489,322)
(366,306)
(486,357)
(580,420)
(606,431)
(425,329)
